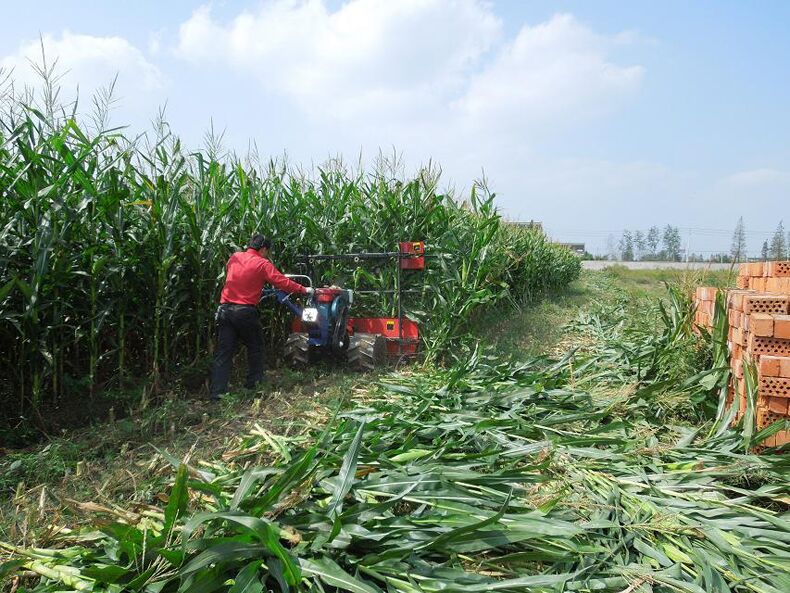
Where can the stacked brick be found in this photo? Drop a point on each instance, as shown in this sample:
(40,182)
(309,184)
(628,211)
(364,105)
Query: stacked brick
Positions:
(758,315)
(705,301)
(772,276)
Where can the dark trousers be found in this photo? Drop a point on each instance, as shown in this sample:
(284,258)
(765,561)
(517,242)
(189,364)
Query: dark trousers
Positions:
(234,323)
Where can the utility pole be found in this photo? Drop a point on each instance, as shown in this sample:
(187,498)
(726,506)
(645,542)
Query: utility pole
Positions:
(688,243)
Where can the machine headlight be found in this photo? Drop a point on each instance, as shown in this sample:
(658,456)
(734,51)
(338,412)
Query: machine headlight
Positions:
(309,314)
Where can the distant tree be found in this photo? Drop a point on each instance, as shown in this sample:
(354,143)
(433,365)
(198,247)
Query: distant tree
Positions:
(738,248)
(611,248)
(671,241)
(778,249)
(640,245)
(764,252)
(652,240)
(627,246)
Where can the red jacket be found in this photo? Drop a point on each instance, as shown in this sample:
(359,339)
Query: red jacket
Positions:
(247,272)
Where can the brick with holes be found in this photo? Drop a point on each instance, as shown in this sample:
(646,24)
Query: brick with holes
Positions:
(766,417)
(770,346)
(767,303)
(775,387)
(778,269)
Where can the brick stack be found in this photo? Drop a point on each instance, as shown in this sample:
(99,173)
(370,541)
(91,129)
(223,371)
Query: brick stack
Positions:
(772,276)
(705,303)
(758,315)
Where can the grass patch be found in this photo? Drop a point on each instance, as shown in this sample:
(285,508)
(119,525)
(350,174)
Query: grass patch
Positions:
(540,328)
(114,462)
(653,282)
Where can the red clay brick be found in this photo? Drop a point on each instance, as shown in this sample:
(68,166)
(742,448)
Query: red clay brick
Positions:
(778,268)
(777,405)
(784,366)
(767,303)
(735,299)
(774,387)
(765,417)
(782,326)
(761,324)
(770,366)
(769,346)
(782,437)
(739,336)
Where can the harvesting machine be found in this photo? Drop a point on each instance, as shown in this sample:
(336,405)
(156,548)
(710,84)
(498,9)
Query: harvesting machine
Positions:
(323,327)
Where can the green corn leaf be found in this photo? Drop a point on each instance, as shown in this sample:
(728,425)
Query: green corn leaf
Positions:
(265,533)
(331,574)
(347,473)
(177,503)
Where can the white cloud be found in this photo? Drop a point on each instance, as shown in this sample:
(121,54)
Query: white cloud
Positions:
(555,70)
(86,62)
(755,178)
(368,56)
(427,76)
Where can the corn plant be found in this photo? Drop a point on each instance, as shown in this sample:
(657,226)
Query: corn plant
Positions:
(488,475)
(113,249)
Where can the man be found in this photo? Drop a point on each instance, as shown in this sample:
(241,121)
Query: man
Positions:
(237,316)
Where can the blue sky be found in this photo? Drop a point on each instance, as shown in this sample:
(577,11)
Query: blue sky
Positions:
(590,116)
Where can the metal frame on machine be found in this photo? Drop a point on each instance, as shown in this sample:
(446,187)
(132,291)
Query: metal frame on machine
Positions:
(403,254)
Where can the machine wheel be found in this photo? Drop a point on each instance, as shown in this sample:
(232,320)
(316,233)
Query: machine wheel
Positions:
(297,350)
(366,351)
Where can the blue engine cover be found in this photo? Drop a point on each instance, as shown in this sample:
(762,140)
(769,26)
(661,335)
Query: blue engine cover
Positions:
(329,315)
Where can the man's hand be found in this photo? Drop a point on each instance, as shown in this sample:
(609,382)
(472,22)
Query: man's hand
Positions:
(309,291)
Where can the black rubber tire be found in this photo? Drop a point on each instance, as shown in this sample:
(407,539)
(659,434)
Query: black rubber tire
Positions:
(297,350)
(366,352)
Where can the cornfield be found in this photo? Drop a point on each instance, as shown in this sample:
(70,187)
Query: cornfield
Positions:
(112,249)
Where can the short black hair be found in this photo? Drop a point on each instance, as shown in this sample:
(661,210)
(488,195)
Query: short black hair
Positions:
(259,242)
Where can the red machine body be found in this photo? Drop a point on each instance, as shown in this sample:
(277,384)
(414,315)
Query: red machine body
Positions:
(327,295)
(416,249)
(389,327)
